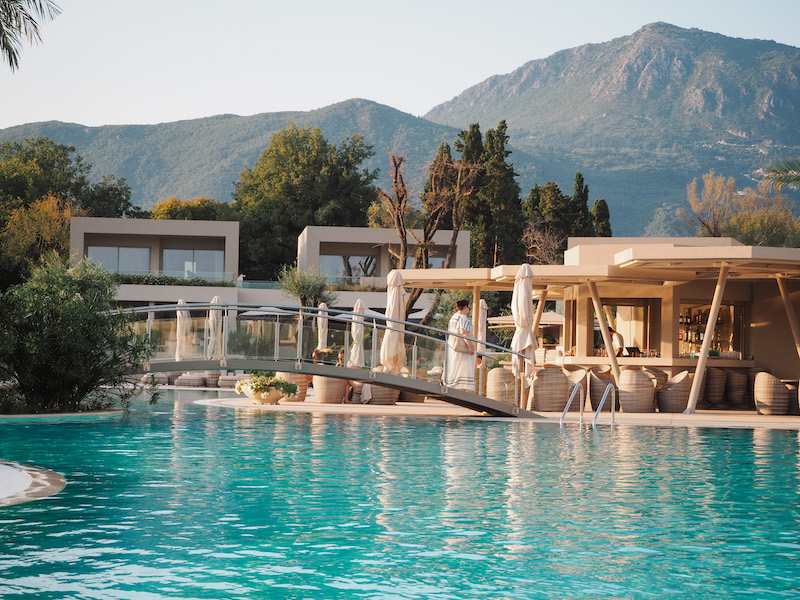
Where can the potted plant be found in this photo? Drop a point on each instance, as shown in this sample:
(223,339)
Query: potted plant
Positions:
(265,388)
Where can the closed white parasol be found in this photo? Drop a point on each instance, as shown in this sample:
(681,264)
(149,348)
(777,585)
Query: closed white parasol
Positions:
(322,326)
(523,341)
(483,313)
(214,330)
(356,358)
(182,328)
(393,348)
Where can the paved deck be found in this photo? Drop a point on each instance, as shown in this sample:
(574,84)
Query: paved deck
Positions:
(436,408)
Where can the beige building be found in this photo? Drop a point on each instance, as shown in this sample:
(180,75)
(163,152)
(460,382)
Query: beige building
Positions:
(659,294)
(355,257)
(366,252)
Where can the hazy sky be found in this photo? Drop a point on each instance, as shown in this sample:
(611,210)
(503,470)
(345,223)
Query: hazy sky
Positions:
(150,61)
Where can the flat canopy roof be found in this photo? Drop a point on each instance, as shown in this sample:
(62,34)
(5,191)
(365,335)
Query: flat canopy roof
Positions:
(640,263)
(745,262)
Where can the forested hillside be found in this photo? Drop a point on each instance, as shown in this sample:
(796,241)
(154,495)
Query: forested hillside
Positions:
(639,116)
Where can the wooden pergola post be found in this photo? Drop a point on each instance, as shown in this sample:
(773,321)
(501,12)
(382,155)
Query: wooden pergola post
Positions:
(476,309)
(538,318)
(601,319)
(790,314)
(711,325)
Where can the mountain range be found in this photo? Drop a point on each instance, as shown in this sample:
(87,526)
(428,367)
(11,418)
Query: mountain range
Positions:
(640,116)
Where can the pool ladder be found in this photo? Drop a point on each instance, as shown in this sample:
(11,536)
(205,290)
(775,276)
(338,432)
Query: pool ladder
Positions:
(578,389)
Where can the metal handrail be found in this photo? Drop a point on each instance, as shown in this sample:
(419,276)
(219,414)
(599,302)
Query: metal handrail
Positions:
(311,311)
(296,315)
(612,390)
(578,388)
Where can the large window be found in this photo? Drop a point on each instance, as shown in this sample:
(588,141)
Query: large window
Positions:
(121,259)
(208,264)
(338,265)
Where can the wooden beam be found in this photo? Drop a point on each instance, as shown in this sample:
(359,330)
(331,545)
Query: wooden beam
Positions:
(791,315)
(538,318)
(711,325)
(601,319)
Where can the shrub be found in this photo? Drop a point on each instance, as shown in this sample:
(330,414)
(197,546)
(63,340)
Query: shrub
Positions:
(65,348)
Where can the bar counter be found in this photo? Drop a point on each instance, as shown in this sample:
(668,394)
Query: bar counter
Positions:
(661,363)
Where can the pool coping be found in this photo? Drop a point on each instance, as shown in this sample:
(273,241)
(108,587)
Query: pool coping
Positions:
(73,415)
(721,419)
(44,483)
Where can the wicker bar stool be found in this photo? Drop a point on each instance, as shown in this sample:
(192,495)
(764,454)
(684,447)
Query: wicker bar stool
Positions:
(500,385)
(172,376)
(577,377)
(598,383)
(383,395)
(636,392)
(657,376)
(549,390)
(302,385)
(329,390)
(212,378)
(714,394)
(771,395)
(411,397)
(794,408)
(674,394)
(751,383)
(735,388)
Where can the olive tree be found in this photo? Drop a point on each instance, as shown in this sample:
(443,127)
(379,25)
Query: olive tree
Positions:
(65,349)
(309,287)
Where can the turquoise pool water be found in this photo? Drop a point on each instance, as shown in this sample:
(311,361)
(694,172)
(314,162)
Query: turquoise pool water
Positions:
(187,501)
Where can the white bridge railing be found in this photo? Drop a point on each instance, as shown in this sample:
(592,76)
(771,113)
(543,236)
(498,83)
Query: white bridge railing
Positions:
(222,332)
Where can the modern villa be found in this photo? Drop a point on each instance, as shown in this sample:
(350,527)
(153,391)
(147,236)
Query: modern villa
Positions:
(349,257)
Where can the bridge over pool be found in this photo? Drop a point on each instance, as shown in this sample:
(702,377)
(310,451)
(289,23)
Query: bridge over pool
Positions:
(385,352)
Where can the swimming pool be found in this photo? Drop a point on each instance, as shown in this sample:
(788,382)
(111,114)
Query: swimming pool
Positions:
(188,501)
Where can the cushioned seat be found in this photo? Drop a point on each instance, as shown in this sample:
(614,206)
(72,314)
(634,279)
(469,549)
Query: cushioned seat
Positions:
(191,380)
(229,381)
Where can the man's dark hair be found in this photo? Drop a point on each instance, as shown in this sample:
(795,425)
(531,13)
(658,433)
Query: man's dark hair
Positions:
(461,304)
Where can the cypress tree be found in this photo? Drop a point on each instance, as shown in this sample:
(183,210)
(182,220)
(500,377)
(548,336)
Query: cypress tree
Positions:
(602,218)
(582,225)
(501,194)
